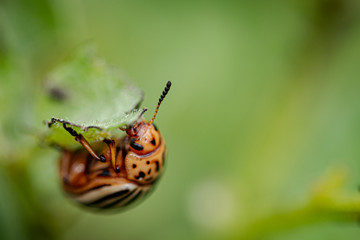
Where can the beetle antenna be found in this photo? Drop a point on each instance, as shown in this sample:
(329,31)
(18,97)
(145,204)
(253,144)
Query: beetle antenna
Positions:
(123,128)
(140,116)
(166,90)
(142,113)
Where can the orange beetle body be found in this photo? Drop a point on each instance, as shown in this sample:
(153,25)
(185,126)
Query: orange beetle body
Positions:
(125,171)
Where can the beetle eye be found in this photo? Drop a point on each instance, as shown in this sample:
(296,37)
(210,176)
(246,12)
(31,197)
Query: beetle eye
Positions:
(135,145)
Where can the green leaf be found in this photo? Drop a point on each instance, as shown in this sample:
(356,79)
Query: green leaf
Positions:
(89,96)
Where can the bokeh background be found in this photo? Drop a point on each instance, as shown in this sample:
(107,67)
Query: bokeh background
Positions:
(262,122)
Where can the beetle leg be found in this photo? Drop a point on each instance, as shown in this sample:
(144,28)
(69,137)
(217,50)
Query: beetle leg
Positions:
(87,146)
(111,145)
(79,138)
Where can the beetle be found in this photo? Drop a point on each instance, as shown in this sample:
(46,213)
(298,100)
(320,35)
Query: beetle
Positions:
(116,172)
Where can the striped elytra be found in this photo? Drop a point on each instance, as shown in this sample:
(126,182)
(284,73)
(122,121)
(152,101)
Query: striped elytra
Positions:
(116,172)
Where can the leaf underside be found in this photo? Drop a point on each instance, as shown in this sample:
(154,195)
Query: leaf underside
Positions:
(89,96)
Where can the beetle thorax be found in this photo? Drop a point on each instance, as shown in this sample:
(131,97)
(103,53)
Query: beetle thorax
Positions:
(144,161)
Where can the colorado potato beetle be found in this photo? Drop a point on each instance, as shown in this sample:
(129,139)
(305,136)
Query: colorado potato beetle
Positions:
(116,172)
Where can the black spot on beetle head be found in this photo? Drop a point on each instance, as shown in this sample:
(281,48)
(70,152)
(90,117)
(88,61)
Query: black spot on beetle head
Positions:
(135,145)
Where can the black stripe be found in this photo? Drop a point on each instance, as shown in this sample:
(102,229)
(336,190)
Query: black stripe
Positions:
(133,199)
(113,195)
(97,187)
(119,200)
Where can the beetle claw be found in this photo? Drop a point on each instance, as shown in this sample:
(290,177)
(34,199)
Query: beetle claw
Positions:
(102,158)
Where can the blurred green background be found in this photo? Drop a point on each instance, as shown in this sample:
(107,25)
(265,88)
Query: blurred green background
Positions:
(262,122)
